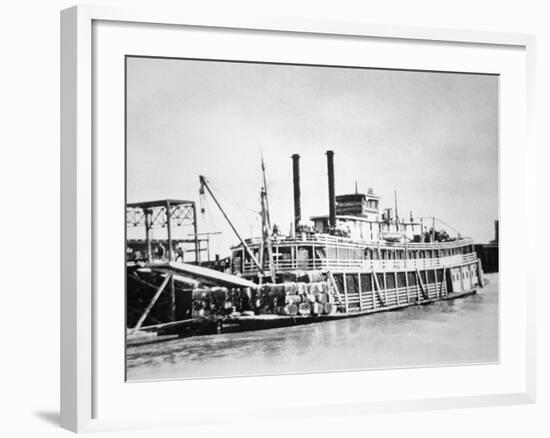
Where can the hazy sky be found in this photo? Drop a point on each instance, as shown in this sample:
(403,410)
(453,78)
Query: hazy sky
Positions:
(433,137)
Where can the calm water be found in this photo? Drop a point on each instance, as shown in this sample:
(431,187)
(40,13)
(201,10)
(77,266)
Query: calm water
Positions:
(451,332)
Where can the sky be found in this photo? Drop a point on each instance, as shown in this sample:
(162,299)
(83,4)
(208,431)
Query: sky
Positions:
(432,137)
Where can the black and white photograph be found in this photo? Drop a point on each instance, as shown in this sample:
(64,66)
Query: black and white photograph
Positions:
(291,218)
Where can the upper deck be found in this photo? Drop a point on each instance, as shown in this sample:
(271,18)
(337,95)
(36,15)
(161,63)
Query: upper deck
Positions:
(332,253)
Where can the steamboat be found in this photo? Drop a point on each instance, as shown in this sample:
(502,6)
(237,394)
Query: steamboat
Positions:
(354,261)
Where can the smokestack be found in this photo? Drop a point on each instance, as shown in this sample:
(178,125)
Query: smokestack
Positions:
(331,194)
(296,181)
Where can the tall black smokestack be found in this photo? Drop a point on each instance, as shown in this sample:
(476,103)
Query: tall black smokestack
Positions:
(296,180)
(331,194)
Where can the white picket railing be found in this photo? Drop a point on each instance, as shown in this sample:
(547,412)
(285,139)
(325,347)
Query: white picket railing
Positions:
(351,265)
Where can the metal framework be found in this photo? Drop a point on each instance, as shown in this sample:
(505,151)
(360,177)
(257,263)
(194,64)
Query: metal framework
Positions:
(165,213)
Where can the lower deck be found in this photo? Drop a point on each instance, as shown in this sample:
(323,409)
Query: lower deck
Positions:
(230,324)
(313,297)
(361,291)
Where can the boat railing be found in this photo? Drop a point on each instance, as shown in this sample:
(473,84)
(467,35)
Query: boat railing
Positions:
(328,240)
(363,265)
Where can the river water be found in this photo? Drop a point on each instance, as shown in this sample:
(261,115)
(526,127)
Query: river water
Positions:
(461,331)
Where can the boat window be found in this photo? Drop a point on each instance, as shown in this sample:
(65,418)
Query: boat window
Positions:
(366,282)
(352,284)
(285,253)
(390,281)
(423,276)
(320,253)
(304,254)
(380,279)
(237,262)
(431,277)
(412,278)
(401,280)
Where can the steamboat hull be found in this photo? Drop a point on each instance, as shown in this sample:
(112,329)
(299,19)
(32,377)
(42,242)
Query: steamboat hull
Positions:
(236,324)
(352,294)
(385,285)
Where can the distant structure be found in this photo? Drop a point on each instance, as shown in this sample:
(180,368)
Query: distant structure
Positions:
(164,214)
(488,252)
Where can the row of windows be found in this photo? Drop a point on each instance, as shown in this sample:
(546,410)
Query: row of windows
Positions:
(344,253)
(388,280)
(465,274)
(398,254)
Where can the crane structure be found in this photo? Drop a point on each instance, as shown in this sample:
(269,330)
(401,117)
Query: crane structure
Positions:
(166,214)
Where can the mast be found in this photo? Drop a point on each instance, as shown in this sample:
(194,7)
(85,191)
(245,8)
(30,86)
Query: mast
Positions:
(204,184)
(265,193)
(266,226)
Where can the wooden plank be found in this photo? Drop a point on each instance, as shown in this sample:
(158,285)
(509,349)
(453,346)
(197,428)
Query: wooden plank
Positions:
(396,287)
(169,231)
(152,303)
(385,287)
(344,281)
(172,289)
(372,288)
(480,274)
(407,286)
(185,280)
(360,291)
(422,286)
(202,272)
(383,299)
(443,278)
(335,287)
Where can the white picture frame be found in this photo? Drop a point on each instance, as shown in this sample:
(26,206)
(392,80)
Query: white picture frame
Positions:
(79,213)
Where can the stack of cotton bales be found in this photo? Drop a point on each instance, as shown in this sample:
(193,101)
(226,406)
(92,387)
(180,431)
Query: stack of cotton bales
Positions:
(292,298)
(221,301)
